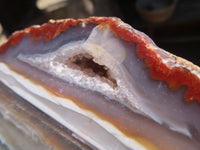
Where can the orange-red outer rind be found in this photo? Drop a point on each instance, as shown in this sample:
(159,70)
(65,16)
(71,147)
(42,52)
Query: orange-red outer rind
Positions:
(182,73)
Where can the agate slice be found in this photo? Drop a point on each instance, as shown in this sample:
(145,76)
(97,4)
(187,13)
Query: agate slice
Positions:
(105,82)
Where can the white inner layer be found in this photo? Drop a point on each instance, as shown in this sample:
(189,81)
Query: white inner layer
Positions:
(39,97)
(100,46)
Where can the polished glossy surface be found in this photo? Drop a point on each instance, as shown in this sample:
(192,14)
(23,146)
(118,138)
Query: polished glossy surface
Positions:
(106,82)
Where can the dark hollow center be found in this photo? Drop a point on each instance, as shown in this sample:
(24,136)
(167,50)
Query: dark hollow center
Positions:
(85,63)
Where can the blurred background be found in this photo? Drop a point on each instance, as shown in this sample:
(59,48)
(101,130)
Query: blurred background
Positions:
(174,25)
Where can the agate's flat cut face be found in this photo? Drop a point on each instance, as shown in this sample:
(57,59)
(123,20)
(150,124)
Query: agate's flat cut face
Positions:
(106,82)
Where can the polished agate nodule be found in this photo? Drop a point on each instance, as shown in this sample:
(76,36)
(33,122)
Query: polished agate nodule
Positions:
(107,83)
